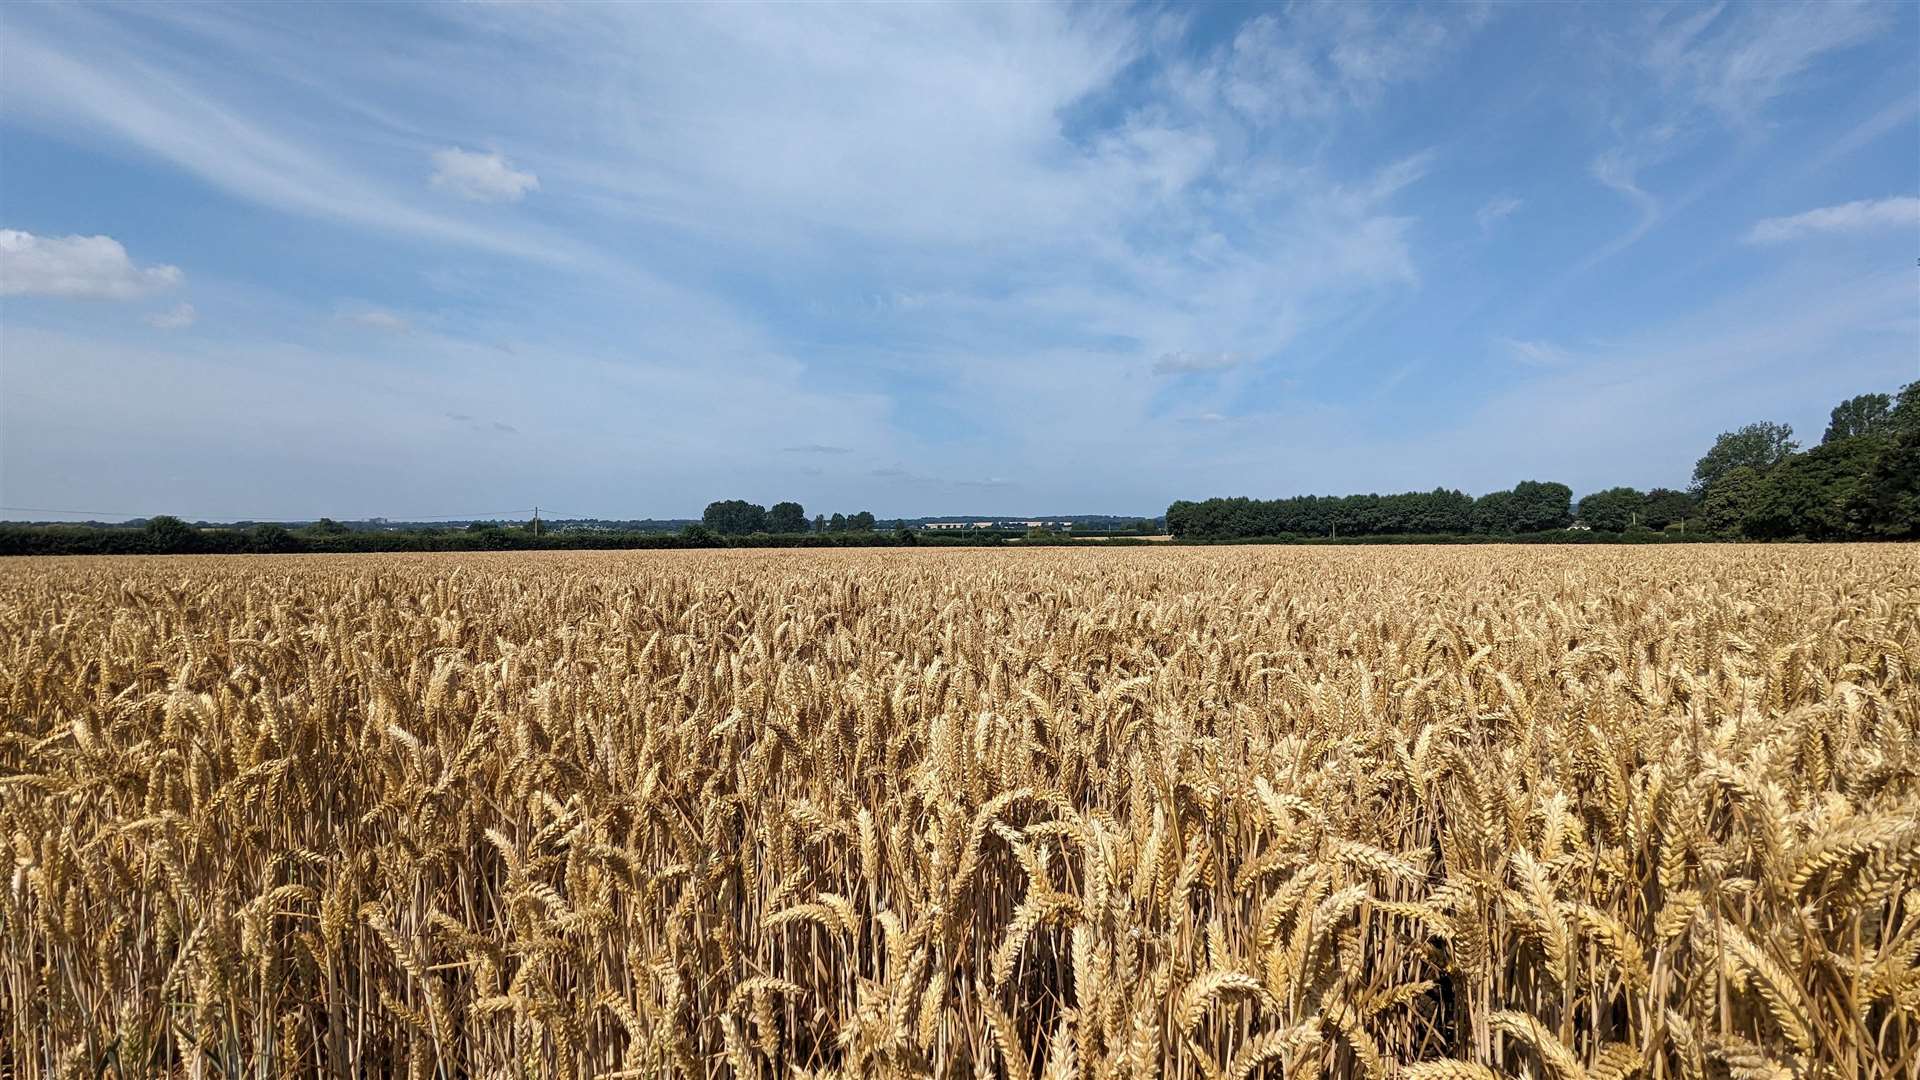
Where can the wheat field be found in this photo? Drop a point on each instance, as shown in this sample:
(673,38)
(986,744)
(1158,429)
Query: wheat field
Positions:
(1391,812)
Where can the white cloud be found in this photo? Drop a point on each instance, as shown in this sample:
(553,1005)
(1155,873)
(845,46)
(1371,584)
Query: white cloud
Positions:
(1187,363)
(377,319)
(179,318)
(1060,195)
(487,177)
(1497,210)
(90,76)
(1538,353)
(1899,212)
(1317,59)
(1736,59)
(85,267)
(1707,70)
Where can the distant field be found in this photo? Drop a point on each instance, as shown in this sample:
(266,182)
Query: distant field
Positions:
(1188,812)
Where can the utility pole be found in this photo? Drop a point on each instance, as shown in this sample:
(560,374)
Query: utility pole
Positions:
(536,521)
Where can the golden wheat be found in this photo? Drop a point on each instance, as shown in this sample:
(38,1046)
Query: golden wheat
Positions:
(1382,812)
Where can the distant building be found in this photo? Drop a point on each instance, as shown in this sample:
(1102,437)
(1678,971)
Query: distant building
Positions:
(949,525)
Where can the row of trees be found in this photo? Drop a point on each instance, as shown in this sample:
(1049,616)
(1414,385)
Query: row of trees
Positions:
(1861,482)
(1531,506)
(738,517)
(170,536)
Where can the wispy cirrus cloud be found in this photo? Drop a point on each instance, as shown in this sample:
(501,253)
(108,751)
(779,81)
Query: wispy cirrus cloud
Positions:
(1188,363)
(1863,215)
(1115,253)
(1544,354)
(1496,210)
(178,317)
(1714,69)
(1736,59)
(387,322)
(84,72)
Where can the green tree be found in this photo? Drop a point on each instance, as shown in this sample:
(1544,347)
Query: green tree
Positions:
(1758,447)
(1906,410)
(819,523)
(1886,502)
(1612,510)
(861,522)
(167,533)
(735,517)
(268,539)
(328,527)
(838,523)
(1539,506)
(1866,414)
(1494,513)
(787,517)
(1730,498)
(1665,506)
(1807,494)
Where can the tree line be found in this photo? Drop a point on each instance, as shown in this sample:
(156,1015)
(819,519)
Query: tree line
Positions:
(164,535)
(738,517)
(1861,482)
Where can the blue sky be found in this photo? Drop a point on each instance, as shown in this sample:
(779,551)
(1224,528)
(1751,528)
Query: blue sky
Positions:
(620,260)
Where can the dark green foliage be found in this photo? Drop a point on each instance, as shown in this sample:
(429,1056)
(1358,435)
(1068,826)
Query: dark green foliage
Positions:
(1758,447)
(861,522)
(1885,504)
(1752,485)
(1437,511)
(271,540)
(1807,494)
(735,517)
(787,517)
(1612,510)
(1532,506)
(1731,498)
(1539,506)
(1665,506)
(1493,513)
(18,539)
(1906,410)
(168,533)
(1866,414)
